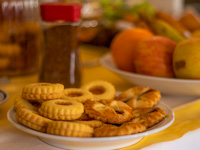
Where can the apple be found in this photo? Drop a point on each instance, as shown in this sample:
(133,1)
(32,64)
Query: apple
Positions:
(153,57)
(186,59)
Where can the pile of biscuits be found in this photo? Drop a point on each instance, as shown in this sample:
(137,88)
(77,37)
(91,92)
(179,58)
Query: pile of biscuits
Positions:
(94,110)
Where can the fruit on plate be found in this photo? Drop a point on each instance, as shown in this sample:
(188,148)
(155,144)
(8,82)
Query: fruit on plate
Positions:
(153,56)
(123,46)
(186,59)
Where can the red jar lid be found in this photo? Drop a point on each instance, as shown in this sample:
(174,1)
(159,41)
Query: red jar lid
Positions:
(56,11)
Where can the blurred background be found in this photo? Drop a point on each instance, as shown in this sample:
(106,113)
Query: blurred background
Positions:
(101,20)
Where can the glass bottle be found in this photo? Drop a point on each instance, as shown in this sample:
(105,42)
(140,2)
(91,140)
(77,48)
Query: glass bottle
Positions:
(91,20)
(61,63)
(21,37)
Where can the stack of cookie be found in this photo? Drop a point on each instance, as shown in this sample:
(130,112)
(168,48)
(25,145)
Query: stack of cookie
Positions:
(93,110)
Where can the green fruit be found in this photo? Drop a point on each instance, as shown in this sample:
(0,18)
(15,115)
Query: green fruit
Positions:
(164,29)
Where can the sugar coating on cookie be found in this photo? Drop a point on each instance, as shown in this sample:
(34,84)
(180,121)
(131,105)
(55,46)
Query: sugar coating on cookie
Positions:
(108,111)
(140,97)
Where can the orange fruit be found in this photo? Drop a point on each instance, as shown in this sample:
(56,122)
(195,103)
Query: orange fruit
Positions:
(123,46)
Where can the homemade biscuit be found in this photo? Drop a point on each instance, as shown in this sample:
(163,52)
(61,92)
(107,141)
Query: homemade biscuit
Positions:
(61,109)
(76,94)
(100,89)
(42,91)
(140,97)
(32,119)
(71,129)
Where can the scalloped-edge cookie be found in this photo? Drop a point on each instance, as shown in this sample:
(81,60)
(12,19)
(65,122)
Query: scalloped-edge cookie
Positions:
(42,91)
(77,94)
(20,103)
(61,109)
(65,128)
(32,119)
(100,89)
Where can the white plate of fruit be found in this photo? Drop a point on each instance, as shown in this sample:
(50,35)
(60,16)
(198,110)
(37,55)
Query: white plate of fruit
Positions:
(172,86)
(168,65)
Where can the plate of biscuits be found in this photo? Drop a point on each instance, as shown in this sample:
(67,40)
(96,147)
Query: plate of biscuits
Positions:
(92,117)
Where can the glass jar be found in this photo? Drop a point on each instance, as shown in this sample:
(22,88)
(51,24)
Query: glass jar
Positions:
(21,37)
(61,63)
(91,17)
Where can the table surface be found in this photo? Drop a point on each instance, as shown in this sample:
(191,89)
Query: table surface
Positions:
(91,71)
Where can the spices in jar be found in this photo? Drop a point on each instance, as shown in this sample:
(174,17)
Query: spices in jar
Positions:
(61,63)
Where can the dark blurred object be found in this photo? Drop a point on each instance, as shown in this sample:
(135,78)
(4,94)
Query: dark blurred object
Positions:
(21,37)
(91,15)
(190,19)
(61,62)
(103,36)
(187,2)
(112,17)
(193,3)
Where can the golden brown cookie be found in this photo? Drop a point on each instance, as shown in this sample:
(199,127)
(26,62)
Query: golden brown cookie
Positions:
(61,109)
(32,119)
(125,129)
(139,97)
(20,103)
(100,89)
(108,111)
(77,94)
(85,117)
(72,129)
(91,123)
(150,116)
(42,91)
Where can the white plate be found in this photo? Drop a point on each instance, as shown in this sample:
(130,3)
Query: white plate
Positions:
(95,143)
(165,85)
(3,96)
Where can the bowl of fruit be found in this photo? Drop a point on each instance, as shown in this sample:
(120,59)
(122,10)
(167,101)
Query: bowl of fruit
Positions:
(173,67)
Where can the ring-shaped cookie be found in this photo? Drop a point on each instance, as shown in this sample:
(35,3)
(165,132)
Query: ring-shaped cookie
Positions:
(77,94)
(140,97)
(61,109)
(72,129)
(100,89)
(108,111)
(42,91)
(32,119)
(124,129)
(20,103)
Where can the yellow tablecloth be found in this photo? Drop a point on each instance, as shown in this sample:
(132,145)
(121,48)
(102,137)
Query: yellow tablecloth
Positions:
(186,118)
